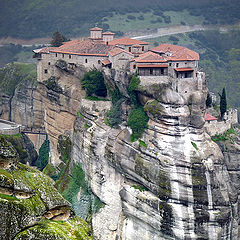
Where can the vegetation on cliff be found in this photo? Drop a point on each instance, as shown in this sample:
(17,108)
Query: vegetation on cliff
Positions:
(43,157)
(93,83)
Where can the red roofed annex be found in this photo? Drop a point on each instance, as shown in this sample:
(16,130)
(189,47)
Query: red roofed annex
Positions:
(101,51)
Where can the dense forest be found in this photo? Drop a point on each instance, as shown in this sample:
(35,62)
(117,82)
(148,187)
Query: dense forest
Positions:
(40,18)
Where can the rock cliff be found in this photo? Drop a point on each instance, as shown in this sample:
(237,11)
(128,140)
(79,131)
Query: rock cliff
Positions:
(31,208)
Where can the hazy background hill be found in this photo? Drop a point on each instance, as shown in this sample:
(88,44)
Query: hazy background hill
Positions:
(40,18)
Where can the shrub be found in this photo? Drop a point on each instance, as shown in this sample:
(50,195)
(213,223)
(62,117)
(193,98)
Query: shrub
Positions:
(52,84)
(61,64)
(93,82)
(43,157)
(137,121)
(134,82)
(114,115)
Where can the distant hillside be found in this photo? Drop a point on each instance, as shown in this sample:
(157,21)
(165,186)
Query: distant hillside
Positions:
(40,18)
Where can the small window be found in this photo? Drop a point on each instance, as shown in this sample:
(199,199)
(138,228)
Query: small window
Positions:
(129,49)
(185,63)
(170,64)
(56,54)
(177,64)
(151,71)
(177,74)
(162,71)
(62,55)
(70,56)
(142,48)
(85,60)
(134,66)
(185,75)
(99,61)
(107,43)
(49,63)
(45,71)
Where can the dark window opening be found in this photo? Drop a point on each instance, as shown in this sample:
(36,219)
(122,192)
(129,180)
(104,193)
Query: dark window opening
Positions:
(45,71)
(56,54)
(142,48)
(49,63)
(129,49)
(134,66)
(107,43)
(70,56)
(99,61)
(151,71)
(85,60)
(162,71)
(177,64)
(63,55)
(177,74)
(170,64)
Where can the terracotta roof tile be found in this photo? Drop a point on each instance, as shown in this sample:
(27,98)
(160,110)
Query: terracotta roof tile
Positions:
(208,117)
(84,47)
(176,53)
(96,29)
(183,69)
(127,41)
(150,57)
(108,33)
(115,51)
(105,62)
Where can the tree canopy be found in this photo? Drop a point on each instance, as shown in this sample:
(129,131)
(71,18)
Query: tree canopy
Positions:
(223,102)
(58,39)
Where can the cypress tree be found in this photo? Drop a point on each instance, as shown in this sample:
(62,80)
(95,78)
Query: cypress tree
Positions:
(57,39)
(208,100)
(223,103)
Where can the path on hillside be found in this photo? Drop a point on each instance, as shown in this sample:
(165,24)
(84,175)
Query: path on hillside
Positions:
(184,29)
(137,35)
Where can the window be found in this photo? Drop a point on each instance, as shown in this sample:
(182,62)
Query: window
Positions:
(177,74)
(45,71)
(142,48)
(129,49)
(85,60)
(107,43)
(49,63)
(70,56)
(99,61)
(151,71)
(162,71)
(177,64)
(170,64)
(63,55)
(134,66)
(56,54)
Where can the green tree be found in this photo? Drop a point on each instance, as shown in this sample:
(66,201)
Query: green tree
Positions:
(208,100)
(223,102)
(58,39)
(43,157)
(93,82)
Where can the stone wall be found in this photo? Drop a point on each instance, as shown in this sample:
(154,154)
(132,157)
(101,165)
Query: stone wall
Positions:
(219,127)
(9,128)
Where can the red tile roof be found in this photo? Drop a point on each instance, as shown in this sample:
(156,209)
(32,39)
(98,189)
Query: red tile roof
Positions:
(84,47)
(108,33)
(127,42)
(150,57)
(152,65)
(105,62)
(208,117)
(176,53)
(96,29)
(115,51)
(183,69)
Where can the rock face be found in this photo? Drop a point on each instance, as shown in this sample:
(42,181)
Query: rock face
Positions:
(173,184)
(31,208)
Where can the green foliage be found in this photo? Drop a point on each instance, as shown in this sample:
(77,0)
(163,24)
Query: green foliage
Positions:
(15,74)
(80,115)
(52,84)
(223,102)
(142,143)
(134,82)
(194,145)
(114,115)
(64,148)
(61,64)
(93,82)
(57,39)
(225,136)
(140,188)
(137,121)
(43,157)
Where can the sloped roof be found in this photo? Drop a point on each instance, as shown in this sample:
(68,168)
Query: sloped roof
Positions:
(127,41)
(96,29)
(108,33)
(183,69)
(149,56)
(84,47)
(152,65)
(105,62)
(44,50)
(208,117)
(115,51)
(176,53)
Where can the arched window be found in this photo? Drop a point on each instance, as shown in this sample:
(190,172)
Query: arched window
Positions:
(99,61)
(86,60)
(142,48)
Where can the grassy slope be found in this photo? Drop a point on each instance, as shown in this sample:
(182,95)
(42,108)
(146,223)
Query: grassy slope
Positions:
(29,19)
